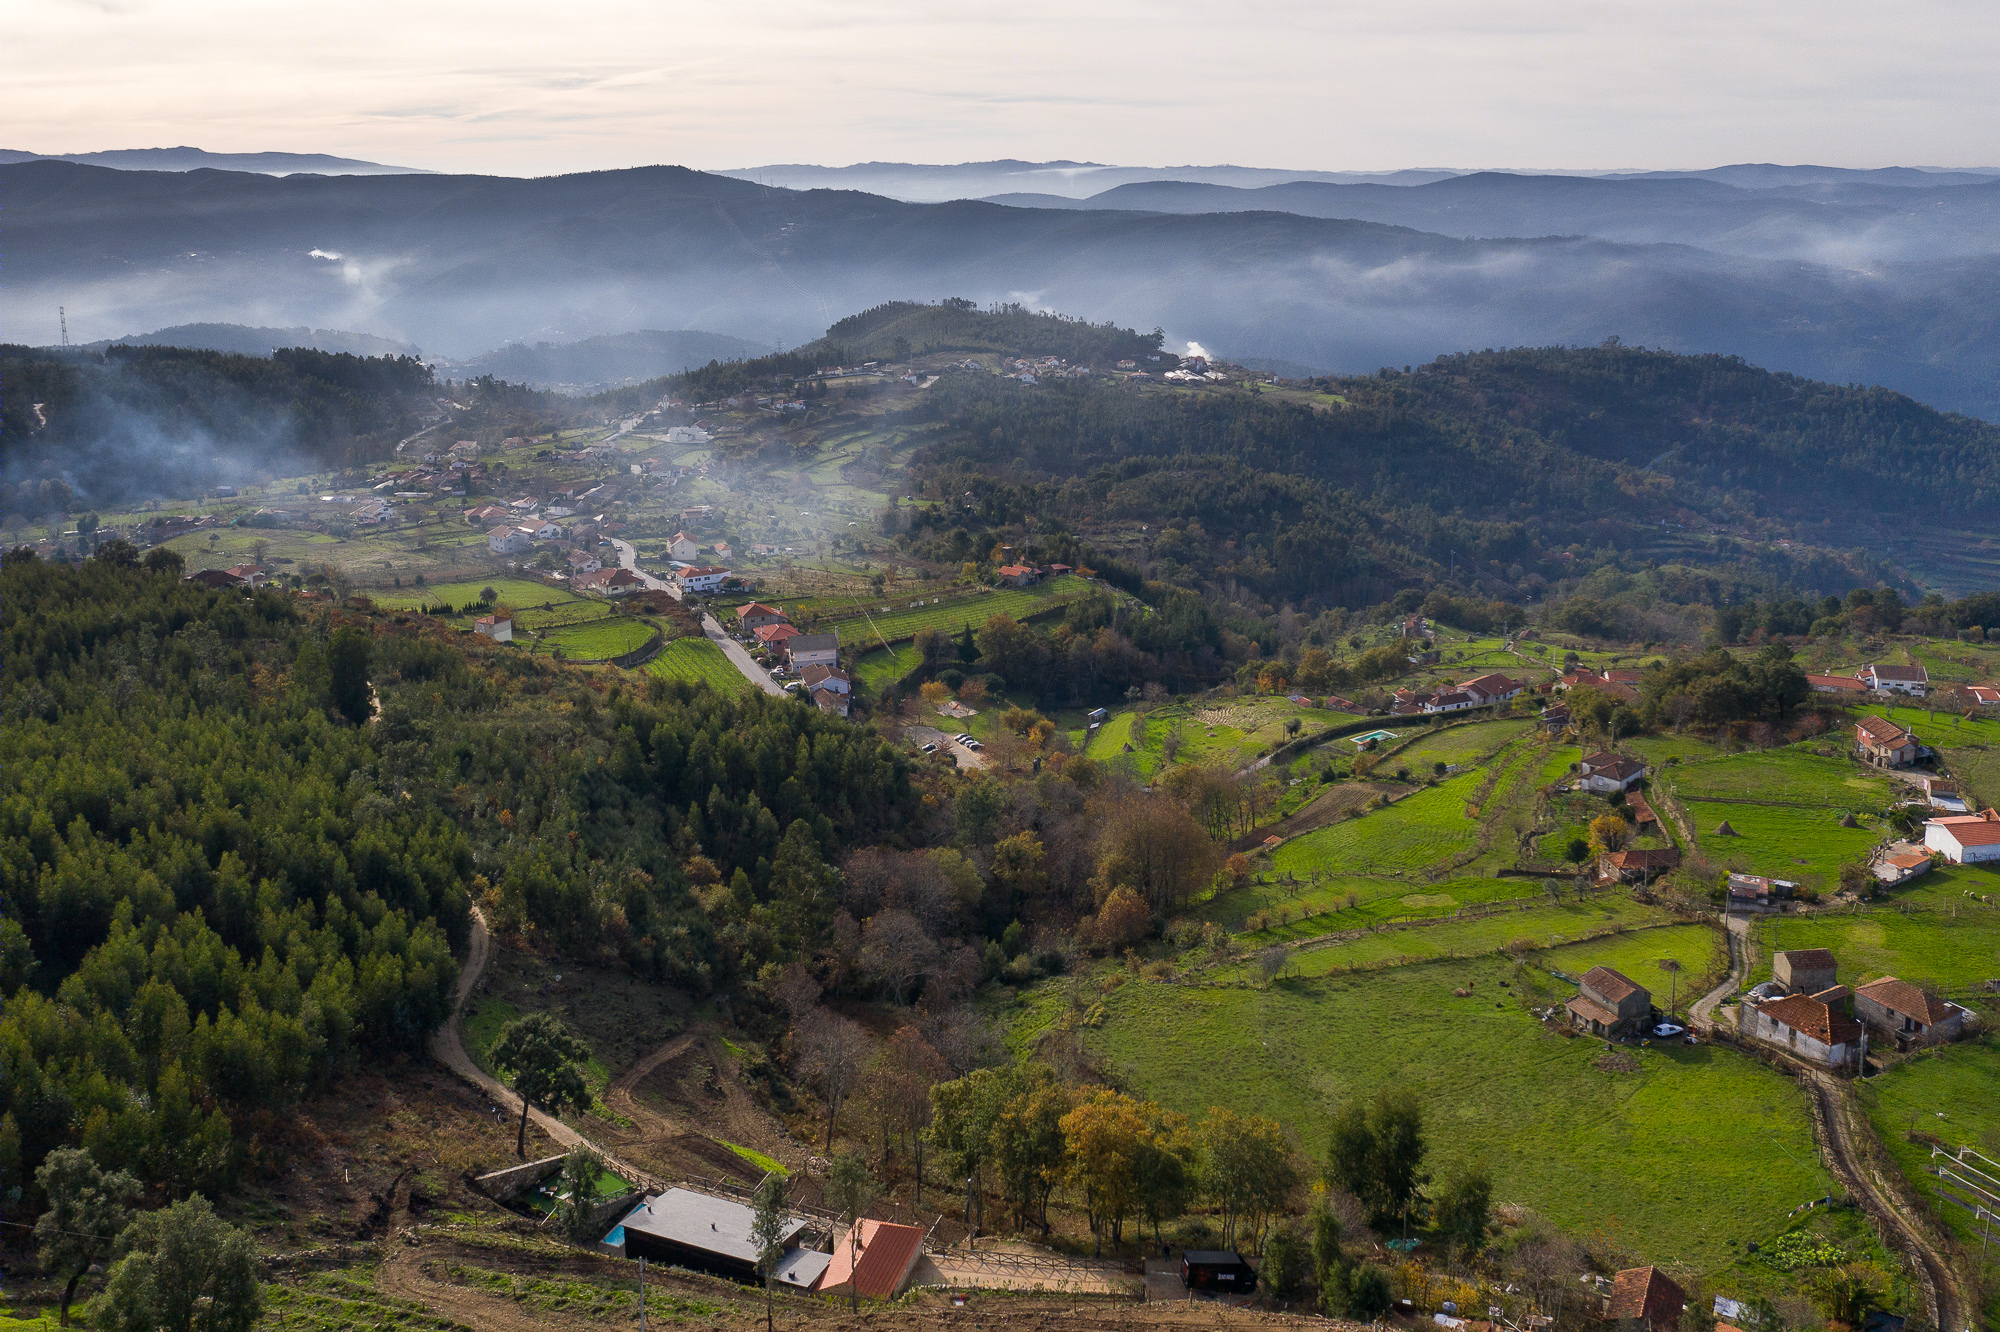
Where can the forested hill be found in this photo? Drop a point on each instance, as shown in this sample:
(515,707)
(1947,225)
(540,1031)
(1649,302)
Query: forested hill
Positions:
(177,420)
(239,833)
(1794,448)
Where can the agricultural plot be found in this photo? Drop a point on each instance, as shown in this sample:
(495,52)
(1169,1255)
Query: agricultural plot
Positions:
(563,614)
(1784,774)
(1416,832)
(516,592)
(1596,1150)
(1931,935)
(1538,920)
(1698,950)
(600,639)
(1807,845)
(697,661)
(953,616)
(1308,910)
(1655,750)
(1460,744)
(881,668)
(1232,732)
(1971,748)
(1947,1096)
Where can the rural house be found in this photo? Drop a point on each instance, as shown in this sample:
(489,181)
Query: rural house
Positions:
(213,578)
(1637,864)
(1805,970)
(683,548)
(814,650)
(1907,1014)
(1017,575)
(1492,688)
(701,578)
(816,678)
(499,628)
(826,700)
(1605,772)
(508,541)
(1900,862)
(1814,1027)
(1913,680)
(1609,1003)
(1643,1299)
(247,574)
(1985,696)
(1965,839)
(1844,685)
(1451,700)
(1879,741)
(1555,718)
(755,615)
(775,636)
(710,1234)
(583,561)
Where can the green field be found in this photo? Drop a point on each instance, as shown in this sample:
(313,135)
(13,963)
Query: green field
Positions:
(1630,1154)
(1948,1094)
(1233,732)
(1536,920)
(1931,934)
(516,592)
(698,661)
(1782,841)
(1971,748)
(534,619)
(895,625)
(1784,774)
(1416,832)
(1308,910)
(610,637)
(1657,749)
(881,668)
(1459,745)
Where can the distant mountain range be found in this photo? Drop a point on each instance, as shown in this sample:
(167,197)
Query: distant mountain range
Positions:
(457,263)
(197,159)
(1840,222)
(918,183)
(247,341)
(605,361)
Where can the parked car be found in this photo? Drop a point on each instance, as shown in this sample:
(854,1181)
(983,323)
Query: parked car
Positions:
(930,749)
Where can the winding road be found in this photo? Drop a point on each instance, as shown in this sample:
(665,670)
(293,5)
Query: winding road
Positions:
(739,657)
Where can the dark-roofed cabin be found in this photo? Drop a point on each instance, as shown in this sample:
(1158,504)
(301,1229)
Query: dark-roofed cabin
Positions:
(1220,1270)
(1608,1003)
(1644,1299)
(1804,970)
(705,1233)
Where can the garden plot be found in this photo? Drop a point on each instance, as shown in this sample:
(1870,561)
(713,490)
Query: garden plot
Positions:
(1460,745)
(600,639)
(515,592)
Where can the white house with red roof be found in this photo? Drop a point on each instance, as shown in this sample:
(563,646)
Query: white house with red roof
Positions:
(701,578)
(683,548)
(1965,839)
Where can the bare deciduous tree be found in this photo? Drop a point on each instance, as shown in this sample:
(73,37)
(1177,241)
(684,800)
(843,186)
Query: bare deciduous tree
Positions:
(833,1052)
(897,952)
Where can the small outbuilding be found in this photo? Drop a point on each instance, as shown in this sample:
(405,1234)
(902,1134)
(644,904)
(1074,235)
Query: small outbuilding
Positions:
(1909,1014)
(709,1234)
(1219,1270)
(874,1260)
(1609,1003)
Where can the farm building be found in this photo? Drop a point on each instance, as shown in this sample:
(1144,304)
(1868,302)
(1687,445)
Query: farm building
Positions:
(1637,864)
(1965,839)
(1844,685)
(1909,1015)
(1754,892)
(213,578)
(1942,793)
(1641,813)
(1985,696)
(874,1259)
(1912,680)
(1609,1003)
(499,628)
(1605,772)
(1900,863)
(1017,575)
(1644,1299)
(1555,717)
(1879,741)
(710,1234)
(1814,1027)
(1805,970)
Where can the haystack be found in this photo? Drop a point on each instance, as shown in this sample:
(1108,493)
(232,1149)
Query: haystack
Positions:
(1723,829)
(1847,821)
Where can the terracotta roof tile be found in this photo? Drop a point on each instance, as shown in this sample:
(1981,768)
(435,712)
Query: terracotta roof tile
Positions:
(1645,1292)
(1806,1014)
(1899,996)
(1613,985)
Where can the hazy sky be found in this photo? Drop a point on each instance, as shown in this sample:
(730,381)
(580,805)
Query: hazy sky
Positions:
(521,88)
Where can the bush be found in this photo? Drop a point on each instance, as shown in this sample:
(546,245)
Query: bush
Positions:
(1286,1261)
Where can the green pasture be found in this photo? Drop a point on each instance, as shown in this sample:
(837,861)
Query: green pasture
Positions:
(610,637)
(698,661)
(1784,842)
(1459,744)
(1784,774)
(534,619)
(1971,748)
(1698,949)
(881,668)
(1949,1095)
(1930,934)
(1631,1155)
(1655,750)
(516,592)
(1306,910)
(1414,833)
(1534,919)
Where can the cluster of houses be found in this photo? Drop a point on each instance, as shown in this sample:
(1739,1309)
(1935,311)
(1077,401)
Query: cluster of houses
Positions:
(1805,1010)
(1477,692)
(814,657)
(1877,678)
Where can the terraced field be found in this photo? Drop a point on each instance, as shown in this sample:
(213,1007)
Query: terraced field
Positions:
(895,624)
(1413,834)
(1807,845)
(599,639)
(516,592)
(1548,925)
(1784,774)
(1308,910)
(697,661)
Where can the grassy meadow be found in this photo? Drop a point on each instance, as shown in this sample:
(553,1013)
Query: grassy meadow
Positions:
(697,661)
(1929,934)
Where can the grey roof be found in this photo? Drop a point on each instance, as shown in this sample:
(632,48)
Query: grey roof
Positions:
(814,643)
(701,1221)
(802,1267)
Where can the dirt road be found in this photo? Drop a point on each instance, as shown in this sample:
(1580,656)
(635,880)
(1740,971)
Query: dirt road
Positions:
(1736,930)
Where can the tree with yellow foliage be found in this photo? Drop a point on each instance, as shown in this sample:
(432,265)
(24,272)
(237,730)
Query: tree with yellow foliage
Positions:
(1609,832)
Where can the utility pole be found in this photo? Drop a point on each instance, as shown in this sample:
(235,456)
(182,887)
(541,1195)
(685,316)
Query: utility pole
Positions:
(62,318)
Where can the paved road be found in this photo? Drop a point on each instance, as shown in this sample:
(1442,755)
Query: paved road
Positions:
(738,655)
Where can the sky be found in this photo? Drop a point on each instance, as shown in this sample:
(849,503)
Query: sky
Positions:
(533,89)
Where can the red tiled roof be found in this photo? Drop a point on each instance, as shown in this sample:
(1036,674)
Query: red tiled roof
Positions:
(1646,858)
(1812,959)
(888,1253)
(1971,830)
(1836,682)
(1492,684)
(751,608)
(1645,1292)
(1804,1013)
(1899,996)
(1641,811)
(1613,985)
(1587,1007)
(1882,731)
